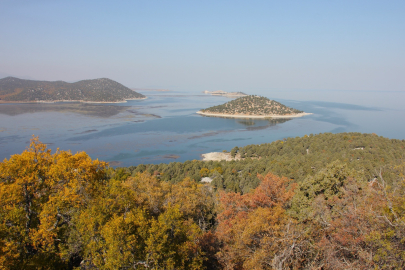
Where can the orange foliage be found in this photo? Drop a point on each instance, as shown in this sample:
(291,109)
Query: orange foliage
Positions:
(252,226)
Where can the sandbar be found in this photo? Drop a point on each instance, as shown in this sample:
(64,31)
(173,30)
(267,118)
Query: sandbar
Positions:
(217,156)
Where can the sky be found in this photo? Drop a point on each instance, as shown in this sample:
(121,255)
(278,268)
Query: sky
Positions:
(251,46)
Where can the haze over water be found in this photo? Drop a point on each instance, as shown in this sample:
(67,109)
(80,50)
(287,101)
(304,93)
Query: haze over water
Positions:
(271,48)
(165,127)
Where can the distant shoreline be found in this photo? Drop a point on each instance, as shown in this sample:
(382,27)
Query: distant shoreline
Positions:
(151,90)
(273,116)
(67,101)
(225,94)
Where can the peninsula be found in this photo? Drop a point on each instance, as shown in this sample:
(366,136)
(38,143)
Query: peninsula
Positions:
(252,107)
(96,91)
(225,94)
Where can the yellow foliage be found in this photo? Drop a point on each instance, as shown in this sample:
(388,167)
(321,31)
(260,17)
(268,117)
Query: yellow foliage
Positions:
(218,169)
(38,192)
(55,208)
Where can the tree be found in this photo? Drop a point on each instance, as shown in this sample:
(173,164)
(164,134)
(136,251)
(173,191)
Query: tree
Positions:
(327,182)
(234,151)
(144,223)
(204,172)
(252,227)
(40,193)
(349,223)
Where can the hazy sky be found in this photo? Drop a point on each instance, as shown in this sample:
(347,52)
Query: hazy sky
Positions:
(208,45)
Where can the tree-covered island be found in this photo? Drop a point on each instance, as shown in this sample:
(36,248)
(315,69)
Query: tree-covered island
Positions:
(98,90)
(252,107)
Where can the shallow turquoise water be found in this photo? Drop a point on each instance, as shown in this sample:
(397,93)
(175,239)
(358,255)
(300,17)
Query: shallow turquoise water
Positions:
(180,134)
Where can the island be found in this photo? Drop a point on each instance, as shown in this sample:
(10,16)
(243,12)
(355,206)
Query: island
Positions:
(252,106)
(102,90)
(225,94)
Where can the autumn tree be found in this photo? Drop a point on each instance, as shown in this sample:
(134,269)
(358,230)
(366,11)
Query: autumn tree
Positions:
(40,193)
(144,223)
(349,223)
(252,227)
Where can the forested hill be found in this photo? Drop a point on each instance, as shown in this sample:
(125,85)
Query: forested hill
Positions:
(344,208)
(252,105)
(97,90)
(296,158)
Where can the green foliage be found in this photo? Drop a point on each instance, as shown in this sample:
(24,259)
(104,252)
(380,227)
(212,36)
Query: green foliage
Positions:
(344,209)
(328,183)
(296,158)
(234,151)
(99,90)
(252,105)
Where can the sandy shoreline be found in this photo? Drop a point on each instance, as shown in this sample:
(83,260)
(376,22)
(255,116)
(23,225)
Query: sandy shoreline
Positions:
(273,116)
(218,156)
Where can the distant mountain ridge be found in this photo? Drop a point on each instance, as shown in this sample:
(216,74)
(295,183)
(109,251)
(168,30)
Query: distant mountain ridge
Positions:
(97,90)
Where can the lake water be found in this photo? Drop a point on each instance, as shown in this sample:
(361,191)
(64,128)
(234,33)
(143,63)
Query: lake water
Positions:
(165,127)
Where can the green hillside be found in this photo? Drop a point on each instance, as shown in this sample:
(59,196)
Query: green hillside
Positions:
(296,158)
(252,105)
(98,90)
(327,201)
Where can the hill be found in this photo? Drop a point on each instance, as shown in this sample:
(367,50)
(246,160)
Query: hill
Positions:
(343,208)
(98,90)
(296,158)
(252,106)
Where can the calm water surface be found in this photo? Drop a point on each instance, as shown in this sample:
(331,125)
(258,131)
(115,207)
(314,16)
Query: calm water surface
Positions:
(165,127)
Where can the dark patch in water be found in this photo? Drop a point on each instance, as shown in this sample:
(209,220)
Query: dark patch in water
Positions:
(171,156)
(87,131)
(114,163)
(206,135)
(143,114)
(10,138)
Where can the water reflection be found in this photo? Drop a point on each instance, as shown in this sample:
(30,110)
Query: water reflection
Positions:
(132,133)
(247,122)
(270,123)
(97,110)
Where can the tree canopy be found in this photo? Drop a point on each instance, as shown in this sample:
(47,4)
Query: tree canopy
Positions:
(252,105)
(67,211)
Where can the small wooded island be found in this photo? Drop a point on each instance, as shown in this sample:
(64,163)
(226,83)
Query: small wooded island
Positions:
(252,107)
(98,90)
